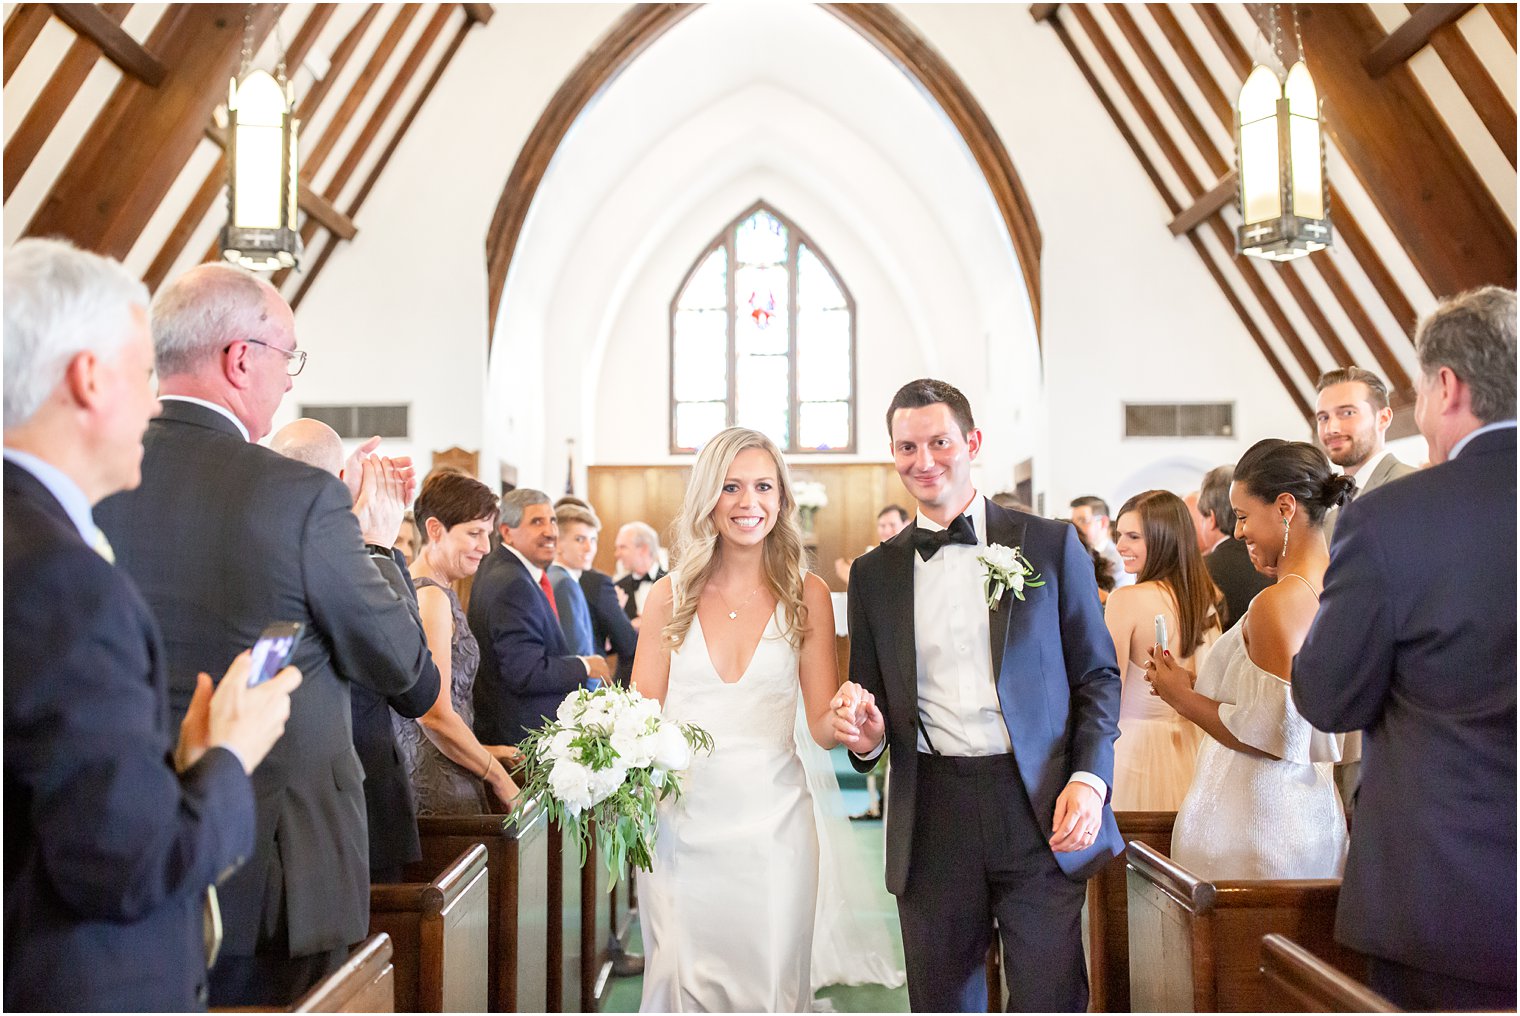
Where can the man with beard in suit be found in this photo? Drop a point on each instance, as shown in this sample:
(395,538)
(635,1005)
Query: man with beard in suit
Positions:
(1001,715)
(114,837)
(1414,645)
(224,536)
(1352,417)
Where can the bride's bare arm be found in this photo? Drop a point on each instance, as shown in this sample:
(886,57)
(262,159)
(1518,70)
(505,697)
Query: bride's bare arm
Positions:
(819,666)
(651,663)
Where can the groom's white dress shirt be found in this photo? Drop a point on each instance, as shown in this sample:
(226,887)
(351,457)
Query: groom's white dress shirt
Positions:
(958,703)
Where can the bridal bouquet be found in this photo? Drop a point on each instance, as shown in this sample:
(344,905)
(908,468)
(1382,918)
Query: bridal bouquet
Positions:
(610,758)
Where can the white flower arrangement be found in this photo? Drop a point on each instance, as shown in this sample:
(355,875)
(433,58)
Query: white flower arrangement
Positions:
(810,495)
(1005,568)
(609,758)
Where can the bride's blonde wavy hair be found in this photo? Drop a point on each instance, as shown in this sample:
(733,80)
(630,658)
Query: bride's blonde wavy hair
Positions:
(698,551)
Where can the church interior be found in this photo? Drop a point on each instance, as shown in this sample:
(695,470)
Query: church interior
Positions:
(561,245)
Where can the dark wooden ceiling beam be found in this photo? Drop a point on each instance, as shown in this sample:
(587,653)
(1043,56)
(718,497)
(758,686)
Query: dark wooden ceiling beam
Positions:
(216,177)
(317,154)
(1043,12)
(310,275)
(22,27)
(1175,100)
(479,14)
(1217,197)
(43,114)
(1190,182)
(1410,37)
(1487,99)
(1405,157)
(1246,320)
(1504,17)
(143,137)
(90,22)
(1394,372)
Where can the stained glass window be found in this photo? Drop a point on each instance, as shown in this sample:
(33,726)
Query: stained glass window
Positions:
(762,335)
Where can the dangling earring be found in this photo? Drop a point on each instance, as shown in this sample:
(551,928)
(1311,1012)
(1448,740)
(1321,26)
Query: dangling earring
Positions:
(1285,537)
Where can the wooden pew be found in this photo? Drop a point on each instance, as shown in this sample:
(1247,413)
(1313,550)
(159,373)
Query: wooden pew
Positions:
(439,929)
(564,925)
(1107,917)
(1299,981)
(596,929)
(366,982)
(517,858)
(1195,945)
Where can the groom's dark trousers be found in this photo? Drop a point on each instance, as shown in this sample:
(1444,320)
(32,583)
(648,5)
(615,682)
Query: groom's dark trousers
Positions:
(979,850)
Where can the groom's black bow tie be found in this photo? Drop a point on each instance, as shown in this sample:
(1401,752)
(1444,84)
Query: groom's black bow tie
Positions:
(928,541)
(639,580)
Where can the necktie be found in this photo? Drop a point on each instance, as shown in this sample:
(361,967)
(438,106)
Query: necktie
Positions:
(103,546)
(928,541)
(543,583)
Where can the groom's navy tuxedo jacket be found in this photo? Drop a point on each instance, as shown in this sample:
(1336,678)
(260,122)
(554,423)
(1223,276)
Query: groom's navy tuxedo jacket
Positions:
(1057,679)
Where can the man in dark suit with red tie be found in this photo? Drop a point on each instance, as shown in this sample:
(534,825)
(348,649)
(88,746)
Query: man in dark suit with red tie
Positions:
(1414,645)
(113,834)
(526,667)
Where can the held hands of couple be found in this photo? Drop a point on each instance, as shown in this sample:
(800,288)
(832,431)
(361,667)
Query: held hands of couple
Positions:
(1079,812)
(247,720)
(858,723)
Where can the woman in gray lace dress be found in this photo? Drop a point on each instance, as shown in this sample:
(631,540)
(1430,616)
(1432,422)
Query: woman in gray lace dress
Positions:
(450,769)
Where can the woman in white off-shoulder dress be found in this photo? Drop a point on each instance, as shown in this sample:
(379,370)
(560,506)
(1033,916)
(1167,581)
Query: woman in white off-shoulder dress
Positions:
(740,641)
(1263,804)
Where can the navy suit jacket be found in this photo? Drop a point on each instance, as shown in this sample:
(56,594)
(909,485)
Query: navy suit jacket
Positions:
(1415,644)
(574,614)
(610,627)
(108,851)
(1057,678)
(526,669)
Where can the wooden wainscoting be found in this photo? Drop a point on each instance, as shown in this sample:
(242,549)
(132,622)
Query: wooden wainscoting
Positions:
(857,491)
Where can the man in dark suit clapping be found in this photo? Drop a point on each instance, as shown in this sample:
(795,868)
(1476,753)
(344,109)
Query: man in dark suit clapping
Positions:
(111,842)
(1415,646)
(224,536)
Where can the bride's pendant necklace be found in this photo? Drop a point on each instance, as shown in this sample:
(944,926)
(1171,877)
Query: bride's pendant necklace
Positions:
(733,613)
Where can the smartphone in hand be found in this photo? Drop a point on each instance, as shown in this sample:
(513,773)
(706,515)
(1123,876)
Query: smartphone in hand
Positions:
(1161,633)
(274,649)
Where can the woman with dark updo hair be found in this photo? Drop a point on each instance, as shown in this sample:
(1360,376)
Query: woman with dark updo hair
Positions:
(1263,803)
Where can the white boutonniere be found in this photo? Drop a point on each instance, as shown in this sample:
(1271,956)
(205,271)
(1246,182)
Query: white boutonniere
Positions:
(1005,568)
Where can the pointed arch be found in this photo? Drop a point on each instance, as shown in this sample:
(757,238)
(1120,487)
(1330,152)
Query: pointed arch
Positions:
(762,302)
(884,28)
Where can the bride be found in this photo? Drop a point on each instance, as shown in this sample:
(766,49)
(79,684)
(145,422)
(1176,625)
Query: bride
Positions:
(728,912)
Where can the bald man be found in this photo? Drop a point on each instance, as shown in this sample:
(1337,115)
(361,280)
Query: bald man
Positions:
(390,806)
(223,536)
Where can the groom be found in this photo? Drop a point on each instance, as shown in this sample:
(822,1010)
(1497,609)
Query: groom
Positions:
(1001,723)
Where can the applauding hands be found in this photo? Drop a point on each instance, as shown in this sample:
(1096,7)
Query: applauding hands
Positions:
(858,724)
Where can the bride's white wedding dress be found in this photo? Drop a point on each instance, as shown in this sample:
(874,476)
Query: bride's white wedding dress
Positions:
(729,910)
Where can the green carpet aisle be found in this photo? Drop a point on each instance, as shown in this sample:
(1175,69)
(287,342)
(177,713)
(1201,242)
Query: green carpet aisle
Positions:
(624,993)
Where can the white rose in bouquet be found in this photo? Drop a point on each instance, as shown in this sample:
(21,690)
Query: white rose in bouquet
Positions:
(571,783)
(672,752)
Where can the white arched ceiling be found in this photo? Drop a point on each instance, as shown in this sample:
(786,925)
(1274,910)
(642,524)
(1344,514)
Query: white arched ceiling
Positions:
(719,112)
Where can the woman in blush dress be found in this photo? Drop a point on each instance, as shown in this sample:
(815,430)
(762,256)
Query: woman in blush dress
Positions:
(1156,750)
(732,640)
(450,770)
(1263,804)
